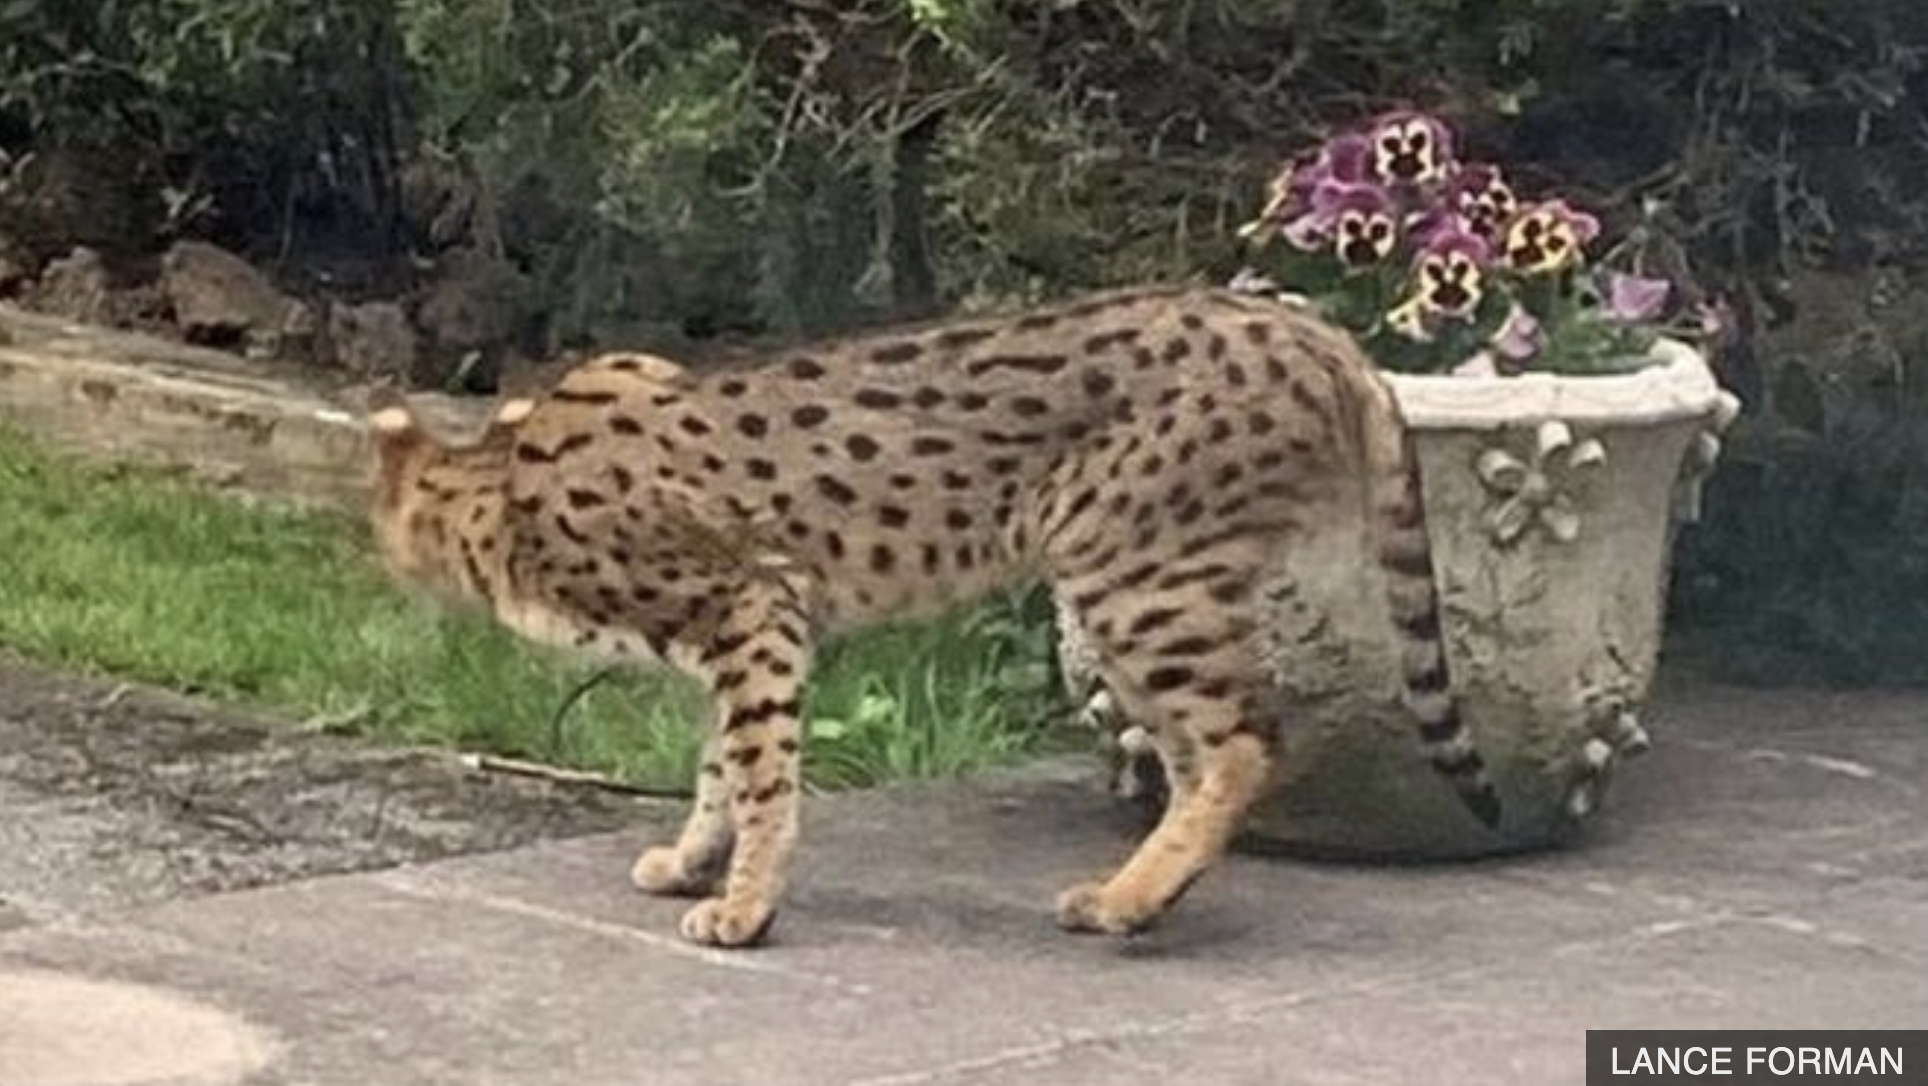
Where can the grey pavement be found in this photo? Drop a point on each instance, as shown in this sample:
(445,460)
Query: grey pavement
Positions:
(1766,866)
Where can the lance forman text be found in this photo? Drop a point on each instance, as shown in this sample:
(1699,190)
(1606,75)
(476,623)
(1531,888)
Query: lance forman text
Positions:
(1752,1060)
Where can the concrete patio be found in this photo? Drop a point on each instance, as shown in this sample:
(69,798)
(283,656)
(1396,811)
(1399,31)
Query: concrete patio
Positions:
(1766,867)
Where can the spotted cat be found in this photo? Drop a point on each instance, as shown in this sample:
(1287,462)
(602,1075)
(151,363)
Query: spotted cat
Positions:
(1142,451)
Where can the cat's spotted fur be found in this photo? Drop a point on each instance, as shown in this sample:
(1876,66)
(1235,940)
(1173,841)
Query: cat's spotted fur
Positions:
(1143,451)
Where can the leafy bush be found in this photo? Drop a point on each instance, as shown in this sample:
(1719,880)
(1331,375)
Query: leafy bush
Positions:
(236,114)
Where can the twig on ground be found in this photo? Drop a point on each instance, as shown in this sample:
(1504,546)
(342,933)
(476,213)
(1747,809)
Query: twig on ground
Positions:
(492,763)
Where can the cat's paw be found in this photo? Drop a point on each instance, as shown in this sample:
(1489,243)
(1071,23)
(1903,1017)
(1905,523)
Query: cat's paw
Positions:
(1091,907)
(662,871)
(723,922)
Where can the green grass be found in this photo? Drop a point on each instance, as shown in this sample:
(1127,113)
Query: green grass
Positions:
(130,574)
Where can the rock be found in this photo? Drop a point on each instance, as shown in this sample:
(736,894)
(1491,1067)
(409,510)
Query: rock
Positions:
(473,315)
(76,287)
(375,341)
(477,302)
(16,267)
(54,201)
(218,298)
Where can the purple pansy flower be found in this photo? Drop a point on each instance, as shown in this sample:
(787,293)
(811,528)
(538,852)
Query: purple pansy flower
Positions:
(1344,159)
(1451,271)
(1479,194)
(1634,298)
(1548,237)
(1521,338)
(1390,201)
(1362,221)
(1411,148)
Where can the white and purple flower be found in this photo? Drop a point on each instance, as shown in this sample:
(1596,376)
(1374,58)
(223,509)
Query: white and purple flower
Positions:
(1411,148)
(1480,195)
(1450,272)
(1291,205)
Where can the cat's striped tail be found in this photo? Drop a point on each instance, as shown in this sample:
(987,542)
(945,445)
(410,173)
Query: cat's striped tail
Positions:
(1397,513)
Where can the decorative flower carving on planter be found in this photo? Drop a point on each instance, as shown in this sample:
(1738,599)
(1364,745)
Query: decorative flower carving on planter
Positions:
(1540,491)
(1702,456)
(1613,732)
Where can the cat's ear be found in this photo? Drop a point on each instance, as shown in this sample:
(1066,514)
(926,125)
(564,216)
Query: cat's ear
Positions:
(391,422)
(510,413)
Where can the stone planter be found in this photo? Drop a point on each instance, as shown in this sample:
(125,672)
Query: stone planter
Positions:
(1552,503)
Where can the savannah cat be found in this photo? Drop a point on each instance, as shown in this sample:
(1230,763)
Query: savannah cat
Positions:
(1142,451)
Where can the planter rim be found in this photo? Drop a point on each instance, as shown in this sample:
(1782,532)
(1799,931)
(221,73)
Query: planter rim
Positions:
(1679,387)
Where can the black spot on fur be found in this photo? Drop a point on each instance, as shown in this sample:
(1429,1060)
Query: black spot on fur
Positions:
(1105,341)
(571,531)
(1155,619)
(592,397)
(836,490)
(892,354)
(762,712)
(1168,677)
(1188,646)
(1042,365)
(958,338)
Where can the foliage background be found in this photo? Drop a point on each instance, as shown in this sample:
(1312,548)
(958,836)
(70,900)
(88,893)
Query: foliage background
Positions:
(668,172)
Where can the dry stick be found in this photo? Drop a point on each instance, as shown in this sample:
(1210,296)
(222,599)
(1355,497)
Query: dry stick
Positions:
(492,763)
(520,767)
